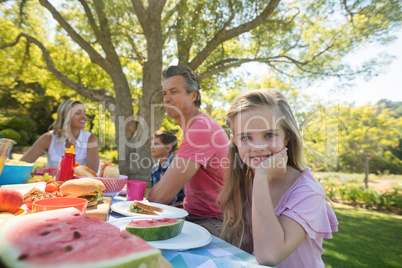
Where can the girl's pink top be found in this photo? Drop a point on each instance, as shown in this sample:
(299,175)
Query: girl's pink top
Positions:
(305,203)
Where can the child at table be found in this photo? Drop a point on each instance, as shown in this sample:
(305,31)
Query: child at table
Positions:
(271,200)
(163,146)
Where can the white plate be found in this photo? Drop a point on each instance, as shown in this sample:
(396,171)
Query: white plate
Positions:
(123,208)
(192,236)
(124,190)
(25,187)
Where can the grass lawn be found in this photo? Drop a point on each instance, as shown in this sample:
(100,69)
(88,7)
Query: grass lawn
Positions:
(365,239)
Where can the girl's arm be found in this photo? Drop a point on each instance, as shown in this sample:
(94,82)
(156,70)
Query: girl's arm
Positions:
(38,148)
(274,238)
(93,153)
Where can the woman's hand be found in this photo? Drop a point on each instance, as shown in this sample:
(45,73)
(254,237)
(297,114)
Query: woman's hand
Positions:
(273,166)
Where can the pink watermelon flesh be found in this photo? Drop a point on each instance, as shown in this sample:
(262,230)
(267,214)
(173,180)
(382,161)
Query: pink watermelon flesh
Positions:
(152,223)
(67,237)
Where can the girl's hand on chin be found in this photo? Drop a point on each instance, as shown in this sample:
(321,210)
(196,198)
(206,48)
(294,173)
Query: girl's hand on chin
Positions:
(274,166)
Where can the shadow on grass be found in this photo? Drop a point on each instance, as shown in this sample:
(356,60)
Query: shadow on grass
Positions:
(365,239)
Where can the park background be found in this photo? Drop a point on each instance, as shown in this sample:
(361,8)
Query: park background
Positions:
(339,63)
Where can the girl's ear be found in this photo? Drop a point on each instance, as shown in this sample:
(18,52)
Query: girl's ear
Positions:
(232,138)
(287,139)
(168,148)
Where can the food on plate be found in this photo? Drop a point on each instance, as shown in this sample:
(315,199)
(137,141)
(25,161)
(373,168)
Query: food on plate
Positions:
(52,187)
(53,181)
(68,238)
(87,188)
(143,208)
(19,212)
(10,200)
(29,202)
(33,192)
(42,171)
(84,171)
(156,229)
(11,162)
(38,178)
(111,172)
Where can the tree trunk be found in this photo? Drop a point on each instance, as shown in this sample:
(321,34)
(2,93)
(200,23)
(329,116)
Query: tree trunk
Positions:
(137,162)
(366,172)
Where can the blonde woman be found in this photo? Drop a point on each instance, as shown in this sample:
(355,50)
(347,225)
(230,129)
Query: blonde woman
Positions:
(68,129)
(272,204)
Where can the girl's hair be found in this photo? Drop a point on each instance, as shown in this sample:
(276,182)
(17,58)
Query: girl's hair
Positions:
(167,138)
(236,193)
(62,125)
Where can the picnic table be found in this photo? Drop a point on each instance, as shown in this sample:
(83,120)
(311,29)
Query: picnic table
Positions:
(217,253)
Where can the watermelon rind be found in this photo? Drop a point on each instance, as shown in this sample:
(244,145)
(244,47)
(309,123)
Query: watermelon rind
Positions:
(9,253)
(136,260)
(156,233)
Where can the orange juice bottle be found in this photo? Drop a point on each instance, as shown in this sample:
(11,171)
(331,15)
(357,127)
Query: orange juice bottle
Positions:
(67,165)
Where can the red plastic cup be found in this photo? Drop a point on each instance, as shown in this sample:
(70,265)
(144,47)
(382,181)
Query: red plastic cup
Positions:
(136,190)
(58,203)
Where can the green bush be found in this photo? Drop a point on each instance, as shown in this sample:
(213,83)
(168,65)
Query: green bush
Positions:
(25,126)
(366,198)
(9,133)
(24,138)
(19,123)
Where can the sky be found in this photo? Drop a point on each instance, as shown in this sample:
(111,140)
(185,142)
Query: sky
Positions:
(387,85)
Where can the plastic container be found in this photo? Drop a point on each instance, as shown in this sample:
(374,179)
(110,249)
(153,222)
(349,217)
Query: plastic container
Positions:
(67,165)
(113,185)
(15,174)
(58,203)
(5,148)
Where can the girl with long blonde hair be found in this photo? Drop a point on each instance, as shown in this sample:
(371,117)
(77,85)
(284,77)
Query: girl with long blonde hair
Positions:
(272,204)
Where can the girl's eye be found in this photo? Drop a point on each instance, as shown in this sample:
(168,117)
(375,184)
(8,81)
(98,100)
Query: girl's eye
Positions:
(270,135)
(245,138)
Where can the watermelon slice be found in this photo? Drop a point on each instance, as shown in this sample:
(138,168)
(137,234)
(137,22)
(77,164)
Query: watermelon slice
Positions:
(156,229)
(66,238)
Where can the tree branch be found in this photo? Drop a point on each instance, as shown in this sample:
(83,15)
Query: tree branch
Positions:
(226,64)
(351,14)
(223,35)
(232,15)
(105,38)
(141,14)
(155,9)
(138,54)
(93,54)
(91,19)
(235,63)
(98,95)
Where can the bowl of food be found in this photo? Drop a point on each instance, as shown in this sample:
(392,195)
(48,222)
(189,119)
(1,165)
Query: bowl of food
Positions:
(113,185)
(59,203)
(15,172)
